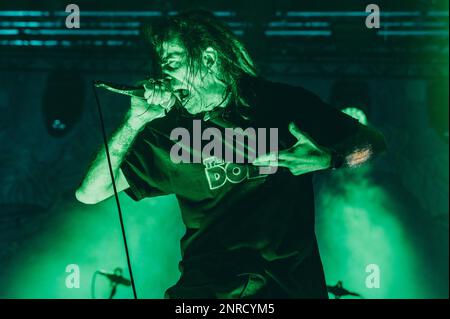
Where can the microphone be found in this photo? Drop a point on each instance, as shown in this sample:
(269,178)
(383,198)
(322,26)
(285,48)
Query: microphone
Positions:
(115,277)
(132,91)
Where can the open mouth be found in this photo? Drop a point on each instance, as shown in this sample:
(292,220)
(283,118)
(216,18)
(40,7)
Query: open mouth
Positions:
(182,94)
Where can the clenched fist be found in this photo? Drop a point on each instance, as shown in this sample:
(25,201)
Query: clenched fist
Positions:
(158,100)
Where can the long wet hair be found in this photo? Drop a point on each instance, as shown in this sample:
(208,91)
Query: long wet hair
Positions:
(198,30)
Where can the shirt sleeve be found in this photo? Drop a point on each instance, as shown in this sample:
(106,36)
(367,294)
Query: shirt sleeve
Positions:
(142,169)
(326,125)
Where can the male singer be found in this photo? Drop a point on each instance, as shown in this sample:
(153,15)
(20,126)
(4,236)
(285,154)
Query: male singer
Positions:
(248,234)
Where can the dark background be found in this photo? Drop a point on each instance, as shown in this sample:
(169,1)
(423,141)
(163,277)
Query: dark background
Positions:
(393,212)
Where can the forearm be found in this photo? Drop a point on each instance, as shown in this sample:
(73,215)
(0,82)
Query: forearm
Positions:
(364,145)
(97,183)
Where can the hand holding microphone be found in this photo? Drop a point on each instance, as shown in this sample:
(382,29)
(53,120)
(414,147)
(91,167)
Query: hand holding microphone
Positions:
(151,101)
(158,93)
(156,101)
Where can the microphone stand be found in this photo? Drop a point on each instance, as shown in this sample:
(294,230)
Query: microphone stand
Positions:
(118,272)
(339,291)
(114,282)
(113,290)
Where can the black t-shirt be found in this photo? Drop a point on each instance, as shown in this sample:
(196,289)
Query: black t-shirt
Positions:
(238,220)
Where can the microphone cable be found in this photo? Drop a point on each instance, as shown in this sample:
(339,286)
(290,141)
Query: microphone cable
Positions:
(102,124)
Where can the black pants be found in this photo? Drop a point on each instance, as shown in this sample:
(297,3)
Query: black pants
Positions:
(250,277)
